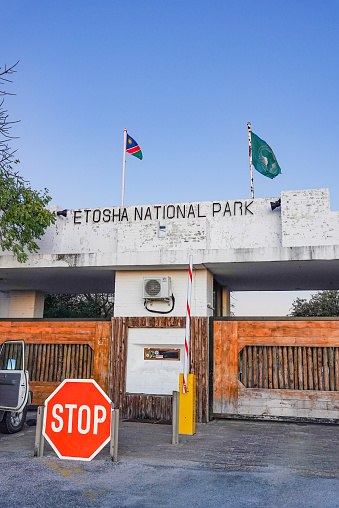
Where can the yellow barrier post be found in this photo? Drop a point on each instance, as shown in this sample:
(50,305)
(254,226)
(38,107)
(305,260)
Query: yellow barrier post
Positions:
(187,405)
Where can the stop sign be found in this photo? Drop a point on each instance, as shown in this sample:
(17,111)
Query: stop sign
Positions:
(77,419)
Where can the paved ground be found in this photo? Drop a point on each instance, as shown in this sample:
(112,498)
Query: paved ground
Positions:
(226,463)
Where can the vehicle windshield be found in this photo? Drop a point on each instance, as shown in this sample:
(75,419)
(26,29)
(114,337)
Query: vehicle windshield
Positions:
(11,356)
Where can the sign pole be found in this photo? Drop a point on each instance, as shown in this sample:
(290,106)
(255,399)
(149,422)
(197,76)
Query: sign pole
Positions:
(250,156)
(175,418)
(123,168)
(188,322)
(113,448)
(39,438)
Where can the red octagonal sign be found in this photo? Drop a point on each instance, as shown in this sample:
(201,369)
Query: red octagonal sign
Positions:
(77,420)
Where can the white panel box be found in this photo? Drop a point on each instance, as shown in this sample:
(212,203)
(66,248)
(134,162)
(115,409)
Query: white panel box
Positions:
(157,377)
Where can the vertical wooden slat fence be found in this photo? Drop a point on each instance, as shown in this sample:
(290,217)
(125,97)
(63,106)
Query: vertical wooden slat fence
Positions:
(317,367)
(51,371)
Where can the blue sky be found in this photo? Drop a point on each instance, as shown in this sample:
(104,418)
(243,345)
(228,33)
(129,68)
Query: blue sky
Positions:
(184,78)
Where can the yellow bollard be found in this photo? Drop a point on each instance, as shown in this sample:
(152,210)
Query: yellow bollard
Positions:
(187,405)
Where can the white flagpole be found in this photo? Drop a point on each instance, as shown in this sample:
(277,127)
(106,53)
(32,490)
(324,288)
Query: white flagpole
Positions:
(188,323)
(123,168)
(250,155)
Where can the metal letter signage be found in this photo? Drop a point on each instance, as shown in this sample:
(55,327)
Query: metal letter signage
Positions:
(163,212)
(77,420)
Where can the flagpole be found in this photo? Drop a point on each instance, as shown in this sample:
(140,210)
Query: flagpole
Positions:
(123,168)
(250,155)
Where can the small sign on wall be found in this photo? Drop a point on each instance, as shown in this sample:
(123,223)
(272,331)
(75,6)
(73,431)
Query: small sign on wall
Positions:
(161,354)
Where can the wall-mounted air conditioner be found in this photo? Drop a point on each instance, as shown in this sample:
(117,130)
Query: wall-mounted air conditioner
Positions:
(157,288)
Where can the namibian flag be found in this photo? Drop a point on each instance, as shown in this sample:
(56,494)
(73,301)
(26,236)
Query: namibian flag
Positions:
(133,148)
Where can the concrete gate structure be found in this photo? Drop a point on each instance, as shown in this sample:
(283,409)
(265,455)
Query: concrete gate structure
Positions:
(239,245)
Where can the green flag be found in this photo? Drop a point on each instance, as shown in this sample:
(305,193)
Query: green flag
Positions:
(263,158)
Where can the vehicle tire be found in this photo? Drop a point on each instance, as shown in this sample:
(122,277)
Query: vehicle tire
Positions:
(13,422)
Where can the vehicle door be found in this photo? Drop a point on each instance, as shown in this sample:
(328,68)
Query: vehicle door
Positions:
(14,385)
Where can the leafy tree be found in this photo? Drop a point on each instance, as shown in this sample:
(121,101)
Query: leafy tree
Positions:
(323,303)
(78,306)
(23,216)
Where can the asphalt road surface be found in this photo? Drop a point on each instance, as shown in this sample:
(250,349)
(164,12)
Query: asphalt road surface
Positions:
(226,463)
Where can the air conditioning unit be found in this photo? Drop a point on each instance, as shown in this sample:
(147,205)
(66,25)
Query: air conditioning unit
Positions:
(157,288)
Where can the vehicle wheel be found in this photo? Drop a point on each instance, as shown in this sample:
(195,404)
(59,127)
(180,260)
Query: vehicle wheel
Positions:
(13,422)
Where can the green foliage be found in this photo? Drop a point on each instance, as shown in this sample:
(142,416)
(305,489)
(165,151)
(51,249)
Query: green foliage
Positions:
(323,303)
(79,306)
(23,217)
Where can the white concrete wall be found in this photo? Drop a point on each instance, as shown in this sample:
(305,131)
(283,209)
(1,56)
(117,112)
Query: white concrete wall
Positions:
(206,225)
(306,219)
(88,237)
(159,377)
(129,296)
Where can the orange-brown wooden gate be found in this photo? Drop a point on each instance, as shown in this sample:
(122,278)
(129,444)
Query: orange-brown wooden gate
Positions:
(269,368)
(57,349)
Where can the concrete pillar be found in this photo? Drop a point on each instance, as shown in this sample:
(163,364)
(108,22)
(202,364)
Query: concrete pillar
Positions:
(226,301)
(26,304)
(5,301)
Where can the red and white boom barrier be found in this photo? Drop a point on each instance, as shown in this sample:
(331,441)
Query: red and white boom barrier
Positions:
(188,323)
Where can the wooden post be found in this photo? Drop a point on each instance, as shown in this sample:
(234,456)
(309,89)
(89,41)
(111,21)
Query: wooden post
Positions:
(39,438)
(113,447)
(226,301)
(175,418)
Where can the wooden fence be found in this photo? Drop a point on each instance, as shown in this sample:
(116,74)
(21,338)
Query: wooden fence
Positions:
(60,349)
(55,362)
(289,367)
(51,362)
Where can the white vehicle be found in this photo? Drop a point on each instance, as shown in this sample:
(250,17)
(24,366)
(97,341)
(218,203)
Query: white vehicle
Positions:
(14,386)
